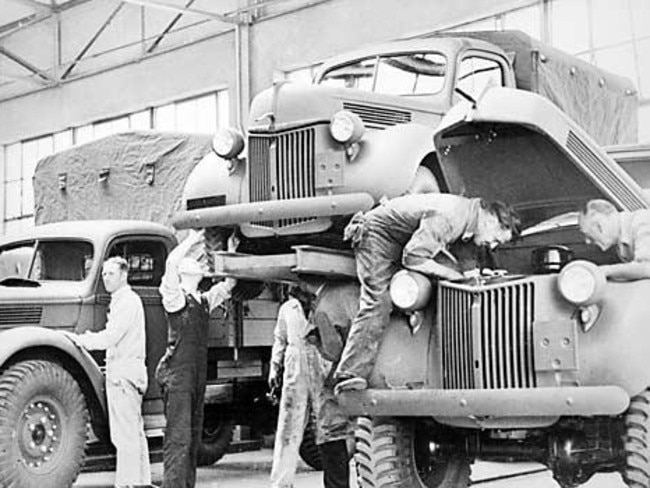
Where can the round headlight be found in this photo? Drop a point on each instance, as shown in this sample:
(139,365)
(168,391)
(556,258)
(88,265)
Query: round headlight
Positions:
(346,127)
(410,291)
(228,143)
(581,282)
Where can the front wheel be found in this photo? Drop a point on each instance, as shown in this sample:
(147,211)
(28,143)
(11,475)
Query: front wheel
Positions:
(403,453)
(43,419)
(636,471)
(216,439)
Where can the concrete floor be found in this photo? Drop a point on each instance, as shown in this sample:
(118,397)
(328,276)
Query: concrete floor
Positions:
(251,470)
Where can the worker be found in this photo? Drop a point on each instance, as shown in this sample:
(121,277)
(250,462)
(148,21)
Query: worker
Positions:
(411,230)
(296,368)
(335,305)
(126,374)
(629,232)
(182,370)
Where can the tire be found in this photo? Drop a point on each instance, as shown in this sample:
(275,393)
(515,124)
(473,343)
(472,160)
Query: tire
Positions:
(394,453)
(216,440)
(308,449)
(636,472)
(43,418)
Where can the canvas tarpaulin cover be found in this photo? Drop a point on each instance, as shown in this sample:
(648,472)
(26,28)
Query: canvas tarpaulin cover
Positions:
(132,159)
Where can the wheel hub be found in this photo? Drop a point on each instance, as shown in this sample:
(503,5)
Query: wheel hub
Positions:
(39,429)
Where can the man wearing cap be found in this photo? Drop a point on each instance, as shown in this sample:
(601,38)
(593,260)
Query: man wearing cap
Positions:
(182,370)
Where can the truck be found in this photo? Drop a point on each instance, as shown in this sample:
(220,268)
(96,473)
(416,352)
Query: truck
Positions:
(110,197)
(544,362)
(312,155)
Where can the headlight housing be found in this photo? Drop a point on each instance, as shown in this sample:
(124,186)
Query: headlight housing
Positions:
(410,291)
(228,143)
(346,127)
(581,282)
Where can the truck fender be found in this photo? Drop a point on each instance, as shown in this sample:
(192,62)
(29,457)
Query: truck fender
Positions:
(19,339)
(211,178)
(388,159)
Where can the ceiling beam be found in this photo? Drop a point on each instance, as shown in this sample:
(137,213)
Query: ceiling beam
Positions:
(27,65)
(35,4)
(166,30)
(185,10)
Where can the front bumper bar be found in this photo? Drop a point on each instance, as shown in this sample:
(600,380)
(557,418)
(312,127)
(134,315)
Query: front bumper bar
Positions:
(323,206)
(521,402)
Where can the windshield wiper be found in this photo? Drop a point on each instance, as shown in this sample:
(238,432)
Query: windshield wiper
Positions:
(19,282)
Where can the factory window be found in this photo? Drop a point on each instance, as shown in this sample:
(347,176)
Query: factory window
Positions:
(201,114)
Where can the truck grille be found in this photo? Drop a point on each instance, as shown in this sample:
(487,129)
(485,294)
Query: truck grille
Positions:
(282,167)
(20,315)
(378,117)
(487,337)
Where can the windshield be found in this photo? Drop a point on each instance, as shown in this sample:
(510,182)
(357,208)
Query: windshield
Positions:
(399,74)
(63,260)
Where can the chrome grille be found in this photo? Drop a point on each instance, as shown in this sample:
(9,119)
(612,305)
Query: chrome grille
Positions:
(376,117)
(20,315)
(282,167)
(487,337)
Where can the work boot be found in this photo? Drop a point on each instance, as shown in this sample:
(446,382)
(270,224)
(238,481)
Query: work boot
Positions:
(336,466)
(354,383)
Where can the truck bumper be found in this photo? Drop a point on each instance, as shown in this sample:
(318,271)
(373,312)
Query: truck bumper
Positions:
(226,215)
(522,402)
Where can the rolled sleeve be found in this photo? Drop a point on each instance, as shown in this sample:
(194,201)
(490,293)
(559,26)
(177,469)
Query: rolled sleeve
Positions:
(173,298)
(217,294)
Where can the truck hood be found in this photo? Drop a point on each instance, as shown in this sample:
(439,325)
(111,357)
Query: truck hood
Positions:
(518,147)
(287,105)
(47,292)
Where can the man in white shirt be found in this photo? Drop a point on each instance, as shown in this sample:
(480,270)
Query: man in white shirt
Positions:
(126,374)
(182,370)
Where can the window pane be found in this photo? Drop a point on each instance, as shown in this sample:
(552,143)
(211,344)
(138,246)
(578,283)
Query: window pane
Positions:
(62,140)
(27,197)
(186,116)
(16,226)
(644,124)
(223,108)
(13,162)
(12,199)
(110,127)
(409,74)
(476,74)
(611,22)
(165,118)
(640,17)
(525,19)
(15,261)
(619,60)
(141,120)
(570,25)
(30,158)
(357,75)
(206,113)
(84,134)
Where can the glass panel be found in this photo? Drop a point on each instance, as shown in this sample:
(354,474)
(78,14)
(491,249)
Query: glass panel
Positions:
(223,108)
(30,157)
(570,25)
(421,74)
(644,123)
(62,140)
(13,162)
(140,120)
(186,116)
(611,22)
(12,199)
(619,60)
(45,146)
(644,68)
(20,225)
(357,75)
(84,134)
(206,114)
(525,19)
(165,118)
(27,196)
(146,261)
(110,127)
(62,260)
(476,74)
(15,260)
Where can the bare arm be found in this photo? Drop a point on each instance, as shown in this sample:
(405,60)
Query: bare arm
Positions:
(635,270)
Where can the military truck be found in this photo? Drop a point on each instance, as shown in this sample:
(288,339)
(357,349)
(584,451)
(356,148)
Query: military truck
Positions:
(314,154)
(545,362)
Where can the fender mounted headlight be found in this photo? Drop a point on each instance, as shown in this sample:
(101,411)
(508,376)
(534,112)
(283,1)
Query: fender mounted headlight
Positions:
(228,143)
(581,282)
(346,127)
(409,290)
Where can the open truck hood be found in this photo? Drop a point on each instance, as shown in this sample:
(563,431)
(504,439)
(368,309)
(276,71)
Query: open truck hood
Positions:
(518,147)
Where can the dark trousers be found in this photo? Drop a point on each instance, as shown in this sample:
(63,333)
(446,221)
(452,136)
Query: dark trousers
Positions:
(378,257)
(336,467)
(184,414)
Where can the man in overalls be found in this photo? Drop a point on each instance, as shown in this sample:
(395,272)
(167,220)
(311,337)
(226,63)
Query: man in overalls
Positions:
(182,370)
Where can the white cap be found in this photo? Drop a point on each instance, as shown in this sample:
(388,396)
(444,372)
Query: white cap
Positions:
(191,266)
